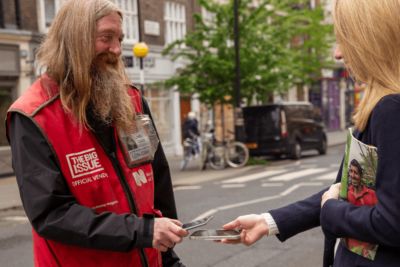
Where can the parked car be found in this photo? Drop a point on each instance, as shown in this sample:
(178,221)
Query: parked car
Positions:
(284,129)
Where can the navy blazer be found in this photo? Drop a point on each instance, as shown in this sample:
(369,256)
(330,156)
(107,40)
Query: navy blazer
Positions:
(377,225)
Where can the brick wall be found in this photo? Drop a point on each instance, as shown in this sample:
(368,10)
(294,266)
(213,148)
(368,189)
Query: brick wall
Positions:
(28,17)
(153,10)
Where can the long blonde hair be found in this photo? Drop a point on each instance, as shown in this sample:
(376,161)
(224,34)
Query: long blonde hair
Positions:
(68,52)
(368,33)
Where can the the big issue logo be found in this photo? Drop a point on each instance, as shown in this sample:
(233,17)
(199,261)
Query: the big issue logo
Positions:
(87,162)
(84,163)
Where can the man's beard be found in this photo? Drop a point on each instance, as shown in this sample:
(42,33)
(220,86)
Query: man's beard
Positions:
(109,99)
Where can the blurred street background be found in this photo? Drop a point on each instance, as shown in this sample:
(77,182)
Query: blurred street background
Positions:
(285,54)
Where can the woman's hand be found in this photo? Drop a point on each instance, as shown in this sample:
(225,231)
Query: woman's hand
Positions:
(333,192)
(254,228)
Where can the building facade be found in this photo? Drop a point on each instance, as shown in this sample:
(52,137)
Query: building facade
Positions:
(19,38)
(334,91)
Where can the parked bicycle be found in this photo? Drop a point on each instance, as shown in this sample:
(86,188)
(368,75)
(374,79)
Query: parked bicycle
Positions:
(213,155)
(236,154)
(190,148)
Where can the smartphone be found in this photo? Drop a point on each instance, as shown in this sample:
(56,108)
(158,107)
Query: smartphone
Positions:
(198,223)
(215,234)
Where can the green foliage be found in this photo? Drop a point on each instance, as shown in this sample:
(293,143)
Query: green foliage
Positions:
(257,161)
(268,63)
(357,249)
(369,164)
(345,175)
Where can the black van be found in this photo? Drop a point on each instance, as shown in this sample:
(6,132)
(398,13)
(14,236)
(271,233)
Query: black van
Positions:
(284,129)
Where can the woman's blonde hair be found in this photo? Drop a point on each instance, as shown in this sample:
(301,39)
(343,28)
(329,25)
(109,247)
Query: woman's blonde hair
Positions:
(368,33)
(68,52)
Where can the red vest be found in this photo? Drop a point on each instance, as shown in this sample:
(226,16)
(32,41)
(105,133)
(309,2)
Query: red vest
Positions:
(91,177)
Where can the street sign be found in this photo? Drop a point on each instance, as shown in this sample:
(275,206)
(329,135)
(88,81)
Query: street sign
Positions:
(151,28)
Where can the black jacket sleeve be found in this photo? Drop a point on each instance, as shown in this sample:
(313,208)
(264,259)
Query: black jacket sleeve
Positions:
(163,192)
(52,209)
(300,216)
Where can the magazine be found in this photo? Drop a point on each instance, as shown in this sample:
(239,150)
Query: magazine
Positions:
(358,186)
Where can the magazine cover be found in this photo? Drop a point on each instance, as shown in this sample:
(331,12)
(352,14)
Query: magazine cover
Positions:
(358,186)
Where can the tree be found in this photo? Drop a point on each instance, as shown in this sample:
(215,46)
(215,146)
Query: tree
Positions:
(270,58)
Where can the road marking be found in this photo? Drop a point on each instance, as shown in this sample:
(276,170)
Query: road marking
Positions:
(310,160)
(271,184)
(258,200)
(255,176)
(232,185)
(335,165)
(329,176)
(16,219)
(308,166)
(296,186)
(300,174)
(187,187)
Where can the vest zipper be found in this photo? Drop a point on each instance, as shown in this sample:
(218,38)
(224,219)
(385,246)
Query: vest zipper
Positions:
(125,186)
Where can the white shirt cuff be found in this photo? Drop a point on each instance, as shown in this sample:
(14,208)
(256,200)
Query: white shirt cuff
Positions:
(273,228)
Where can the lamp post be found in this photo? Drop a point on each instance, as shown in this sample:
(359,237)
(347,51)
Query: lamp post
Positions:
(140,50)
(239,121)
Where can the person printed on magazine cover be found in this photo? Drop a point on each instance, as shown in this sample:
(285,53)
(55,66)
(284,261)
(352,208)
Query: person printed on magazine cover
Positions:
(359,194)
(368,35)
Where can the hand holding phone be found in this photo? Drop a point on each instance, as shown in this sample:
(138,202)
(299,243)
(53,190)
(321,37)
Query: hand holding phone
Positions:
(254,228)
(198,223)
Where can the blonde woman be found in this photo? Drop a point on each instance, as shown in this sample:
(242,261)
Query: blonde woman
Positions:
(368,34)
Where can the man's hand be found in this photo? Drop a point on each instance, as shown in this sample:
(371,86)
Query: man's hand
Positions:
(333,192)
(167,232)
(254,228)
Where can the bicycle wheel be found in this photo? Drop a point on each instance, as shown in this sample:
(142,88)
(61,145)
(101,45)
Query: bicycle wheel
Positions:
(186,158)
(237,154)
(216,158)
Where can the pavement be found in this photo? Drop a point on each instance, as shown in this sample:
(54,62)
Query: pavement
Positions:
(191,176)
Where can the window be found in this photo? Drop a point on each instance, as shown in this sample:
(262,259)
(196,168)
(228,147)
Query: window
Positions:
(130,25)
(48,10)
(175,22)
(5,103)
(1,15)
(312,4)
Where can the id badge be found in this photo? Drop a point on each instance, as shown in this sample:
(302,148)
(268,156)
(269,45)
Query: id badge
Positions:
(136,144)
(151,132)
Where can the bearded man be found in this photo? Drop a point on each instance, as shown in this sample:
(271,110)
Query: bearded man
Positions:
(88,203)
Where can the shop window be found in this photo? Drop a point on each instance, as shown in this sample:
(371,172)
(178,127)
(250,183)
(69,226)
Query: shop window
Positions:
(130,24)
(175,22)
(160,105)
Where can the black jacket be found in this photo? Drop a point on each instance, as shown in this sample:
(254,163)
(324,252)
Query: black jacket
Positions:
(55,213)
(374,224)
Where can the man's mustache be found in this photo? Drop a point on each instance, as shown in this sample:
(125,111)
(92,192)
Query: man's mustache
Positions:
(106,59)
